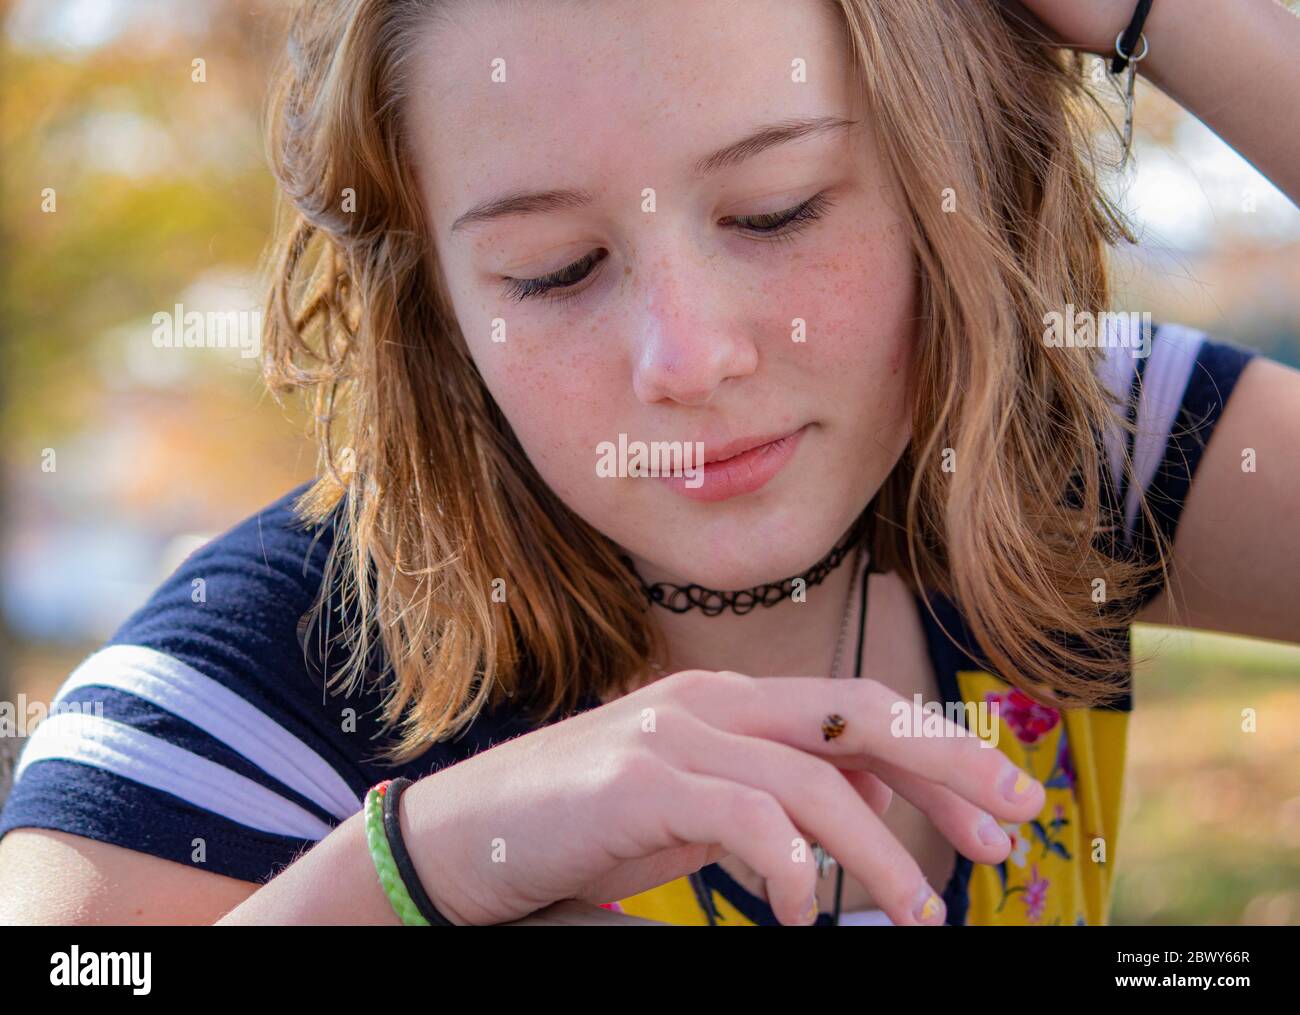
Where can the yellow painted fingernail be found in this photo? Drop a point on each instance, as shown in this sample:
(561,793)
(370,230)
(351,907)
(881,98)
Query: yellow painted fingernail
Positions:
(931,910)
(1015,784)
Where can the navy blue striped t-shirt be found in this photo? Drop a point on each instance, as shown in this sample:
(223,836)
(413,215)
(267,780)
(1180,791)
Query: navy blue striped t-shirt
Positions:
(202,732)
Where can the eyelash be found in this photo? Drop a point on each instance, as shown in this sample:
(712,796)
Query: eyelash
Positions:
(778,226)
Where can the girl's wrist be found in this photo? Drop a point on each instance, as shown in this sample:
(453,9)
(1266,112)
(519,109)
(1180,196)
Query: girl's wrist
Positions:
(1163,29)
(432,846)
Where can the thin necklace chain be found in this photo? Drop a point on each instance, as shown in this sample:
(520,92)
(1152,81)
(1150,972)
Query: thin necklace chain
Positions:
(848,611)
(825,862)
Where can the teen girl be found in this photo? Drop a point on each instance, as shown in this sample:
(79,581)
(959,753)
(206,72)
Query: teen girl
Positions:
(821,237)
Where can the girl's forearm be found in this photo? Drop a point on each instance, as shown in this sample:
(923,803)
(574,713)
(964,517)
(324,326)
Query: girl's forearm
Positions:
(335,883)
(332,883)
(1236,66)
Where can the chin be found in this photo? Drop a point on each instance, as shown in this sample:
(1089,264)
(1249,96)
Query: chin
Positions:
(735,576)
(730,545)
(732,556)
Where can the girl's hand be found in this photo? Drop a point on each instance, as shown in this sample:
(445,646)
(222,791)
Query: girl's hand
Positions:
(658,783)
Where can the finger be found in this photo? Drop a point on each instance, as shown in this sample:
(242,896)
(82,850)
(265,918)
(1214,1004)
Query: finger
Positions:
(750,824)
(975,833)
(641,874)
(817,797)
(856,719)
(871,787)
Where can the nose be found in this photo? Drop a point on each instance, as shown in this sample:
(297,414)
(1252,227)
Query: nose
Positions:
(691,337)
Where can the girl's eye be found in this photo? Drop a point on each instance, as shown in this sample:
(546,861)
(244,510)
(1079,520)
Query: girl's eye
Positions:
(792,220)
(519,289)
(777,224)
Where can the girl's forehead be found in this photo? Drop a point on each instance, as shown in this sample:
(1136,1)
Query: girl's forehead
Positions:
(623,87)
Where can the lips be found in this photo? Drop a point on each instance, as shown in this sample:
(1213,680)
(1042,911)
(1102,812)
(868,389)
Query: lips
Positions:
(739,467)
(731,449)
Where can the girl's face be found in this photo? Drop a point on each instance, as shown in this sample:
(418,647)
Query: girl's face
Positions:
(715,276)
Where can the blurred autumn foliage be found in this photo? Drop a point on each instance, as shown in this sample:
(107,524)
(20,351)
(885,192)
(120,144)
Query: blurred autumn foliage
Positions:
(161,193)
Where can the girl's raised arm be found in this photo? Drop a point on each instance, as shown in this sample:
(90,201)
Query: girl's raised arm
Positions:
(1235,66)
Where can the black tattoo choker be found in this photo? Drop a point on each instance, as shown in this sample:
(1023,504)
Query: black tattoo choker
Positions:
(711,602)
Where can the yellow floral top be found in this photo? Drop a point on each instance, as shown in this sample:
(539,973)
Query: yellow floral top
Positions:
(1061,863)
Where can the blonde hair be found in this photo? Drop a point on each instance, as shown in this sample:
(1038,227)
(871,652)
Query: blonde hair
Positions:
(435,498)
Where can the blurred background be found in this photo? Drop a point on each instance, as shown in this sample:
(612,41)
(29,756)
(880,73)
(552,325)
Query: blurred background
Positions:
(134,180)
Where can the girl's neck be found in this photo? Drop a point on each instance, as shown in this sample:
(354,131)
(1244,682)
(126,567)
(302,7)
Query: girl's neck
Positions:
(792,638)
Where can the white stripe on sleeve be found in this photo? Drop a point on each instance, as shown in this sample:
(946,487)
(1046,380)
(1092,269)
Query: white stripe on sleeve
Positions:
(221,713)
(149,760)
(1164,381)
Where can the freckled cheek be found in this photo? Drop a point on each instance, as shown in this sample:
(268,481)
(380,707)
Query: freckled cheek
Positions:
(553,402)
(858,300)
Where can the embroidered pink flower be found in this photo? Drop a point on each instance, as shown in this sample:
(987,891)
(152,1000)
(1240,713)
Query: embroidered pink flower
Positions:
(1028,720)
(1035,895)
(1019,844)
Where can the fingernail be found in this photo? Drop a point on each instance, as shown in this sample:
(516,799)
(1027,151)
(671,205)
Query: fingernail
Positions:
(929,907)
(810,910)
(1016,785)
(991,833)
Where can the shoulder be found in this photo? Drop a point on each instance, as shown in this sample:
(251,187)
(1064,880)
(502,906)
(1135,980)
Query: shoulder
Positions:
(232,609)
(1172,382)
(207,730)
(200,732)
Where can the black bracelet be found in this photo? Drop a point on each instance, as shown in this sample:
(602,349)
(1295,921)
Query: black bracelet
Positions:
(1129,37)
(402,859)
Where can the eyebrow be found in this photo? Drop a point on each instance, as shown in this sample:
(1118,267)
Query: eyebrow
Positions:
(770,136)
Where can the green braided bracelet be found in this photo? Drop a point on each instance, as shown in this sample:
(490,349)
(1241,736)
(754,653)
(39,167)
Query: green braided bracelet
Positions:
(383,859)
